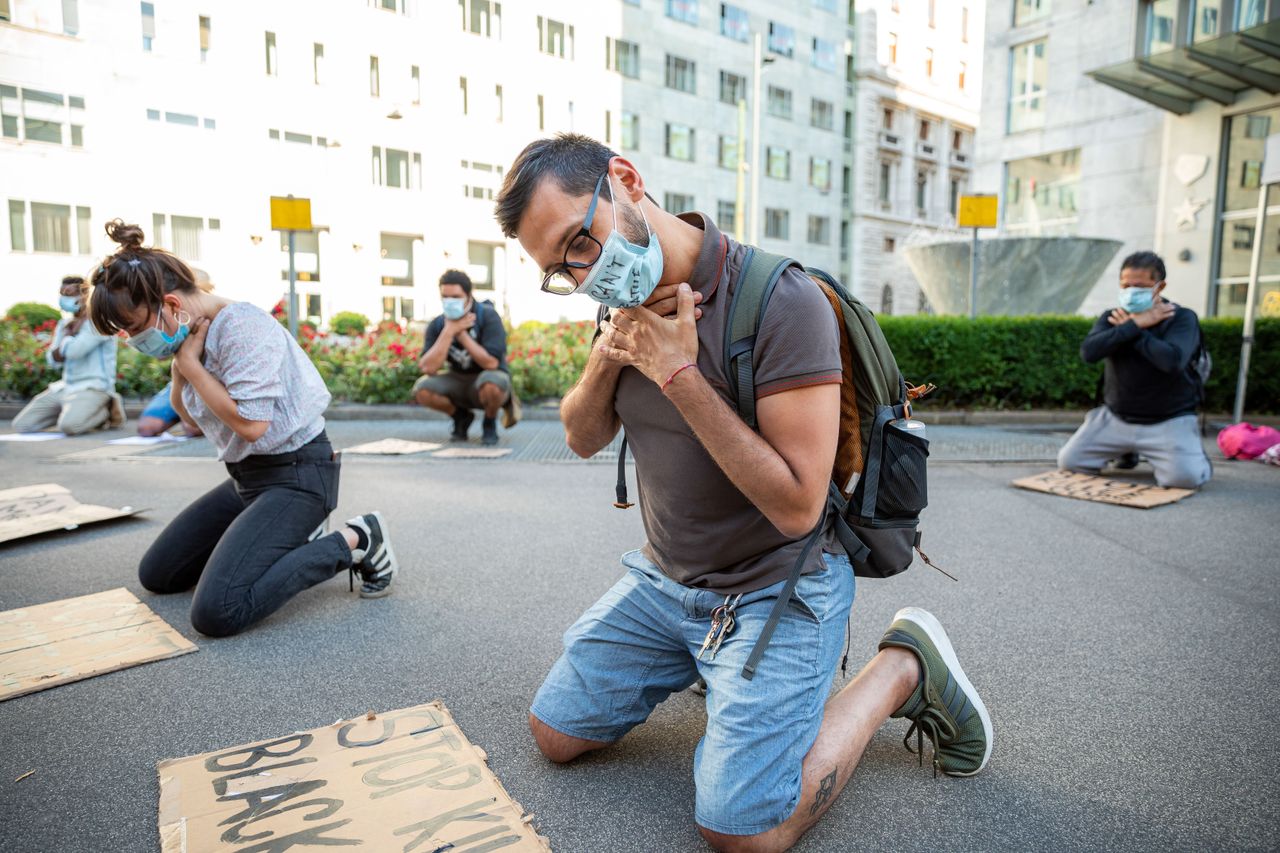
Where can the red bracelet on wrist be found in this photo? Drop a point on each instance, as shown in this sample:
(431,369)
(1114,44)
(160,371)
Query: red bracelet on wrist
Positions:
(676,373)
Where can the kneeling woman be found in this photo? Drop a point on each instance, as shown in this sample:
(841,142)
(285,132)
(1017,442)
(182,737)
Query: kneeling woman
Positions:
(256,540)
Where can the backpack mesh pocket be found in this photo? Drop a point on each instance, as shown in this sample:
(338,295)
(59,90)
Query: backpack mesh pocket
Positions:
(903,489)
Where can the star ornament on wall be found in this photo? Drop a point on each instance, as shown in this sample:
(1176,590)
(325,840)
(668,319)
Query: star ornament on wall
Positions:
(1186,213)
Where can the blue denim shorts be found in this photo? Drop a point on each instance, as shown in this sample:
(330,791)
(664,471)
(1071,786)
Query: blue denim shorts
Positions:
(638,644)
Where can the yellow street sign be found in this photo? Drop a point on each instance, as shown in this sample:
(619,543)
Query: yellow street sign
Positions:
(978,211)
(290,214)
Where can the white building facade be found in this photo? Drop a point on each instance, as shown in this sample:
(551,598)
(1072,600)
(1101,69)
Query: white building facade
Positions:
(1141,122)
(398,119)
(918,65)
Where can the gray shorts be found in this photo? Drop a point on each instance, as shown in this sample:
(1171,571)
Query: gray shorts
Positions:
(463,389)
(1172,447)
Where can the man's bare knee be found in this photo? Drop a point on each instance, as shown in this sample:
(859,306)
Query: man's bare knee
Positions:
(772,841)
(557,746)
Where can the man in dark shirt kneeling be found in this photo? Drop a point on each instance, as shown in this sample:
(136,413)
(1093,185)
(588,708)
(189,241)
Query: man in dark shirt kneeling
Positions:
(1150,391)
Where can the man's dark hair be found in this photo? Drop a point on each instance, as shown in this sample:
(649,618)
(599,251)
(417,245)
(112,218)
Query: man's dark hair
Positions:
(457,277)
(72,279)
(574,161)
(1145,261)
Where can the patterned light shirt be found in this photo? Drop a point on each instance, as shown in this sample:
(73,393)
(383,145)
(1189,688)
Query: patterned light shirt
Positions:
(268,376)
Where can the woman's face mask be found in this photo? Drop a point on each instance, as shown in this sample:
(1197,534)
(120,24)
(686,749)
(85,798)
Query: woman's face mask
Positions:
(157,343)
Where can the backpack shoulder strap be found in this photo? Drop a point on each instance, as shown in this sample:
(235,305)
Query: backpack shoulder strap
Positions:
(759,274)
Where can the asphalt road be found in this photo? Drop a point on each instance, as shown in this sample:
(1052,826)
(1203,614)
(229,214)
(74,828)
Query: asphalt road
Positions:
(1129,657)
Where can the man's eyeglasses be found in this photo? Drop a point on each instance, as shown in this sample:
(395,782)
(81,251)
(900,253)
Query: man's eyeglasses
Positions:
(585,250)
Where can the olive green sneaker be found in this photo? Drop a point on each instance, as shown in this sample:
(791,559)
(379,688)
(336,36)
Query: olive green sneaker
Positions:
(944,706)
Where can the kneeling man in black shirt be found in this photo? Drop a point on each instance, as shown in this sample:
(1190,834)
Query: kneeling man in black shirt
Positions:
(1150,391)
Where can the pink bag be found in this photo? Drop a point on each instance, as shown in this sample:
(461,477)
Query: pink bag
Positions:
(1246,441)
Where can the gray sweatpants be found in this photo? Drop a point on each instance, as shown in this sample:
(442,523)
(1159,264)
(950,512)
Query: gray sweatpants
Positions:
(1172,447)
(74,413)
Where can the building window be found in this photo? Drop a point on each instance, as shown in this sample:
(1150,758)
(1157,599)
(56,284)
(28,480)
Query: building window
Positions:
(317,63)
(964,67)
(206,31)
(933,13)
(17,224)
(779,101)
(886,118)
(957,140)
(375,77)
(885,184)
(1243,155)
(822,114)
(481,264)
(734,23)
(273,68)
(680,141)
(397,260)
(683,10)
(39,116)
(728,152)
(554,38)
(681,74)
(608,127)
(922,192)
(629,131)
(727,215)
(733,88)
(964,24)
(820,173)
(497,104)
(1026,11)
(1205,24)
(393,6)
(481,17)
(1027,95)
(819,230)
(777,223)
(778,163)
(953,207)
(70,16)
(928,62)
(824,55)
(481,180)
(889,245)
(415,84)
(542,110)
(677,202)
(1040,194)
(893,48)
(462,99)
(393,167)
(886,299)
(782,39)
(622,56)
(51,228)
(148,26)
(1159,17)
(1249,13)
(925,127)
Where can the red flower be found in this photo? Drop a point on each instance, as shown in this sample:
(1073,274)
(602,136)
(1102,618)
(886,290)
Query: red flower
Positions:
(398,349)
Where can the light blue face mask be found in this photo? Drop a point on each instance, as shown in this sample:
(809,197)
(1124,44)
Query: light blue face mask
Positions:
(155,342)
(625,274)
(454,307)
(70,304)
(1137,299)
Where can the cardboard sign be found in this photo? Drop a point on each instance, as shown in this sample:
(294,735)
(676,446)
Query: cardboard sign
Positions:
(393,447)
(29,510)
(1100,489)
(471,453)
(404,780)
(64,641)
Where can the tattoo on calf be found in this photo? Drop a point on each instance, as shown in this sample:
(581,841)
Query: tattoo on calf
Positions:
(826,790)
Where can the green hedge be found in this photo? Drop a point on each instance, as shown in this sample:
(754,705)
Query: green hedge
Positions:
(1034,362)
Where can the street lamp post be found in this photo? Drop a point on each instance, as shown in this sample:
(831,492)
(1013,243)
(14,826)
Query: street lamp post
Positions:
(757,70)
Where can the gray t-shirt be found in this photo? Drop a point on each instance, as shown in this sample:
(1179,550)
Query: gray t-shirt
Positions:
(268,376)
(702,531)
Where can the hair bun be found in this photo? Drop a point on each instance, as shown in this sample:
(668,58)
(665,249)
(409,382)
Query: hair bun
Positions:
(128,236)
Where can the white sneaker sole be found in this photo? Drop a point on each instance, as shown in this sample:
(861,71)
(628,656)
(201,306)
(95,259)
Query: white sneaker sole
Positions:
(933,628)
(390,555)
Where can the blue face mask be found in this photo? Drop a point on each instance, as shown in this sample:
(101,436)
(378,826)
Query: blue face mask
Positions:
(1137,299)
(70,304)
(454,307)
(625,274)
(155,342)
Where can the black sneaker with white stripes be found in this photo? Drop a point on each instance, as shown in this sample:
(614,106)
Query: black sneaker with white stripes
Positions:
(376,561)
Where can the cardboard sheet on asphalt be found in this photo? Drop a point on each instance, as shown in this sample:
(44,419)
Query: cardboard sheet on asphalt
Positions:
(393,447)
(63,641)
(471,453)
(1101,490)
(29,510)
(31,436)
(402,780)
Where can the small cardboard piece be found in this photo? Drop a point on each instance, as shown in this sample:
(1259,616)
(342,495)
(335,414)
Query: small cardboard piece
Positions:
(471,453)
(393,447)
(403,780)
(1086,487)
(31,436)
(29,510)
(63,641)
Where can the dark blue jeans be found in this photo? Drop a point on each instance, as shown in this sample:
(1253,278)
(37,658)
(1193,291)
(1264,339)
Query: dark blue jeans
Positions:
(243,545)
